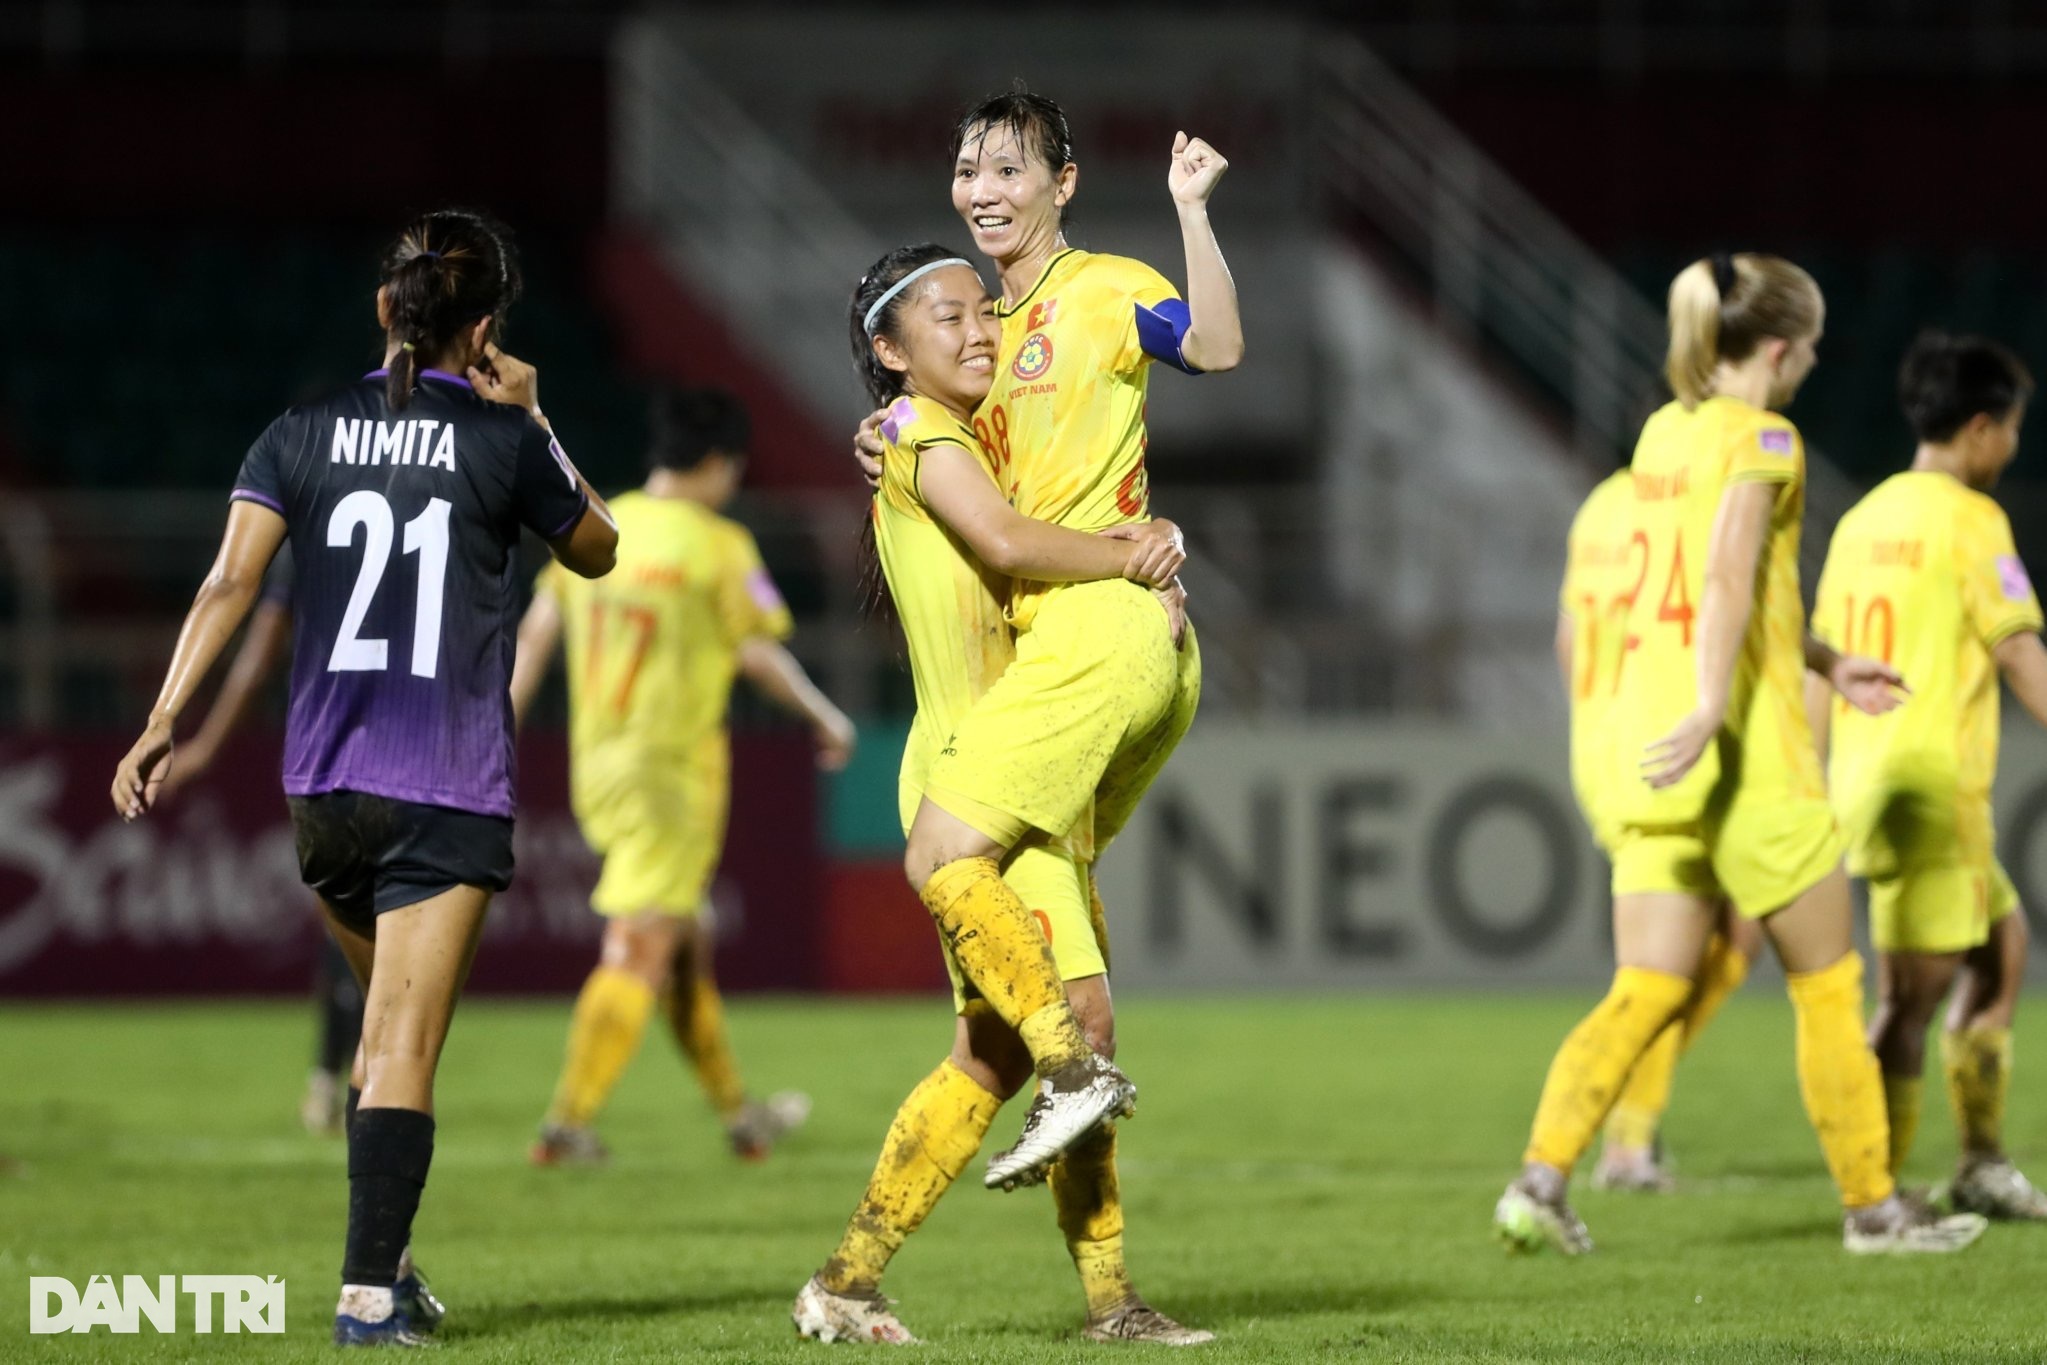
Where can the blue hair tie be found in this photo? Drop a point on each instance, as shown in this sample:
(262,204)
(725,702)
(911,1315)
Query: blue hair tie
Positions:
(431,255)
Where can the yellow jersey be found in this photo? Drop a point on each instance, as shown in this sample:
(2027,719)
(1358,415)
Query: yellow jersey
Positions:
(1923,574)
(1064,421)
(949,603)
(653,646)
(1602,566)
(1683,463)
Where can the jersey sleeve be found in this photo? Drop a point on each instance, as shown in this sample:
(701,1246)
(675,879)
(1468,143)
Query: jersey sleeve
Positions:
(748,602)
(1152,319)
(261,478)
(1996,591)
(549,497)
(1767,451)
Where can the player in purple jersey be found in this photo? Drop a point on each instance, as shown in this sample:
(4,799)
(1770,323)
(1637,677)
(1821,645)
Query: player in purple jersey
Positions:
(402,496)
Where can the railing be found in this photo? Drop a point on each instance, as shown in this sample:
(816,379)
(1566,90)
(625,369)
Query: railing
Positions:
(736,213)
(1500,268)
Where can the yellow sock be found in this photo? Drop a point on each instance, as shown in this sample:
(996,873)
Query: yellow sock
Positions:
(1596,1058)
(1638,1113)
(1004,954)
(1839,1080)
(934,1136)
(696,1014)
(1901,1109)
(611,1014)
(1978,1066)
(1090,1205)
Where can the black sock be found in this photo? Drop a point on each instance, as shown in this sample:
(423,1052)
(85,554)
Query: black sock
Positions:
(354,1103)
(389,1151)
(340,1002)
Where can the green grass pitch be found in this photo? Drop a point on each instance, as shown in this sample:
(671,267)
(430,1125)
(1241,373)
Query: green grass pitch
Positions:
(1312,1178)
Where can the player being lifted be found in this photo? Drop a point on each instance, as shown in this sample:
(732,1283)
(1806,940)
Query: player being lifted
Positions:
(1923,573)
(1729,800)
(925,338)
(1603,563)
(398,748)
(652,652)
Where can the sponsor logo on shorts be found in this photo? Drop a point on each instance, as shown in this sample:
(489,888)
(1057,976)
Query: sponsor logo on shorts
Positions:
(237,1303)
(1033,358)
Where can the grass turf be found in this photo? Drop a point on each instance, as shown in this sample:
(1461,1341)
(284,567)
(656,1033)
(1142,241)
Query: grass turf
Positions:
(1309,1177)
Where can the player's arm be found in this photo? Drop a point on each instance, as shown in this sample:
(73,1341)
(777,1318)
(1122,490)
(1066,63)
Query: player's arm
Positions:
(1819,713)
(268,634)
(589,546)
(1214,339)
(540,631)
(959,492)
(2023,661)
(253,534)
(1870,685)
(781,679)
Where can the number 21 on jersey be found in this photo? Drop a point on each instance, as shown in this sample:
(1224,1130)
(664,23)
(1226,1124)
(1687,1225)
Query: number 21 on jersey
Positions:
(426,535)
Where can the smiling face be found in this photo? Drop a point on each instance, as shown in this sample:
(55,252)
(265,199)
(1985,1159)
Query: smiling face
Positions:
(942,339)
(1007,196)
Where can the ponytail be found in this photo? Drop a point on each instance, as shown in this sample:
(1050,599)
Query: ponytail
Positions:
(1722,307)
(446,271)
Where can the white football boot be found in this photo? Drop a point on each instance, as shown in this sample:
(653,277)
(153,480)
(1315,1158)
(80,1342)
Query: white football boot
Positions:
(1070,1104)
(824,1316)
(1533,1214)
(1139,1321)
(1997,1189)
(1905,1227)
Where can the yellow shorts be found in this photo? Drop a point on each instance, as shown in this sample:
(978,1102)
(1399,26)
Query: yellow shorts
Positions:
(1053,885)
(1094,677)
(661,835)
(1761,854)
(1947,908)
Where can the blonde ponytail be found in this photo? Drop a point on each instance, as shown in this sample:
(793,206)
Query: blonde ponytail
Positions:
(1722,308)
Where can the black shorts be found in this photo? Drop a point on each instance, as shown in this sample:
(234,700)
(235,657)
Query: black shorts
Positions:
(365,854)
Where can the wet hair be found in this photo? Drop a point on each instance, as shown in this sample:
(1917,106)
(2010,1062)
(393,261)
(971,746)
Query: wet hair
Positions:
(1723,307)
(883,384)
(691,424)
(1037,122)
(445,270)
(1946,380)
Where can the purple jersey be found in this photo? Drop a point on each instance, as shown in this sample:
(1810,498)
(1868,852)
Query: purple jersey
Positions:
(403,529)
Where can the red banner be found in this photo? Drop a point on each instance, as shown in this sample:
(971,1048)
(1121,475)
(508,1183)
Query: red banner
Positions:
(203,895)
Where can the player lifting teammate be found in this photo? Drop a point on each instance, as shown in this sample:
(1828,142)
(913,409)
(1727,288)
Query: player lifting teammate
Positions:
(652,652)
(1923,572)
(1602,562)
(1716,788)
(925,338)
(403,496)
(1098,695)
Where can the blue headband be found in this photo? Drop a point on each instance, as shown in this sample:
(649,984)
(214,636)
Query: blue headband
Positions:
(867,323)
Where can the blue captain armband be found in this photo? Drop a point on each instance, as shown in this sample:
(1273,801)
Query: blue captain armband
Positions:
(1160,331)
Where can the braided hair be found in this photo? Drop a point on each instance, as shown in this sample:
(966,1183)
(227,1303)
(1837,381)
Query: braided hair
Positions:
(446,270)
